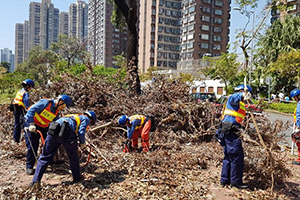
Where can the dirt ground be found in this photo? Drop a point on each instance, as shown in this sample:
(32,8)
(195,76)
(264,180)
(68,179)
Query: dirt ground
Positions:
(115,182)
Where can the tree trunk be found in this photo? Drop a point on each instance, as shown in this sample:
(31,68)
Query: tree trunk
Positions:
(130,14)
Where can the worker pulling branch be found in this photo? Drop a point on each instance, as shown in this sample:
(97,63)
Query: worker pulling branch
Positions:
(65,131)
(233,115)
(38,118)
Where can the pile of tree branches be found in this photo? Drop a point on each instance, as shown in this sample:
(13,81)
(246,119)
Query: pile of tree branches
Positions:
(182,145)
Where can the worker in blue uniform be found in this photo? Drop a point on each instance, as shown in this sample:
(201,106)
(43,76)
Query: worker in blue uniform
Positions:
(65,131)
(233,115)
(38,118)
(20,105)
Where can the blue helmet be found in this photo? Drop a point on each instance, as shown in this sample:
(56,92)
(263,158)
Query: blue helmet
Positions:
(122,120)
(242,87)
(66,99)
(28,82)
(91,115)
(295,92)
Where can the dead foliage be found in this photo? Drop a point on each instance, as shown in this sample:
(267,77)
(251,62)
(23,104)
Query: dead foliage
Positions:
(184,162)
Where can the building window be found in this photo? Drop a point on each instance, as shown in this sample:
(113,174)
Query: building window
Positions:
(218,12)
(192,9)
(204,36)
(183,46)
(219,3)
(184,29)
(191,27)
(210,89)
(205,27)
(204,45)
(216,47)
(190,45)
(190,36)
(217,38)
(206,9)
(191,18)
(206,1)
(220,90)
(218,20)
(205,18)
(217,29)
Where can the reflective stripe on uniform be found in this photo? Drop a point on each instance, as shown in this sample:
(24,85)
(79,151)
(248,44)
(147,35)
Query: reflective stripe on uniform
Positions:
(295,118)
(140,117)
(239,115)
(19,98)
(77,120)
(45,117)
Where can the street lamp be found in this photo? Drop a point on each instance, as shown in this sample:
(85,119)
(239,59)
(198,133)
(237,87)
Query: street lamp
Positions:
(248,14)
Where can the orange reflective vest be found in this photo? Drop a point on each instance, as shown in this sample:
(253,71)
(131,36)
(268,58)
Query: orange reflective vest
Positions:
(239,115)
(45,117)
(141,117)
(19,98)
(295,118)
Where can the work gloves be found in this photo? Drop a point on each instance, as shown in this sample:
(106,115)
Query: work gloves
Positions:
(247,96)
(32,128)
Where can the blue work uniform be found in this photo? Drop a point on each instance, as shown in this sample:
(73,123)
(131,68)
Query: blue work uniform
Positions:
(69,141)
(33,139)
(233,162)
(21,104)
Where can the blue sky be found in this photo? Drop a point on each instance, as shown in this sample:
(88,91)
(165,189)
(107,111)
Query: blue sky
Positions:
(16,11)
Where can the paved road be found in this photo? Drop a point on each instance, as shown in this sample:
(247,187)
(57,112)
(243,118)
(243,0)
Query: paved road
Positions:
(284,117)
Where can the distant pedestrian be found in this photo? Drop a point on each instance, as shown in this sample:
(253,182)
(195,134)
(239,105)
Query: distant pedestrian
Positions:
(281,96)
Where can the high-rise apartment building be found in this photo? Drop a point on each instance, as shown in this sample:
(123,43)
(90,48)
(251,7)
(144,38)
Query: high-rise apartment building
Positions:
(173,30)
(105,41)
(78,20)
(49,23)
(26,40)
(7,56)
(205,28)
(19,43)
(34,24)
(159,33)
(63,23)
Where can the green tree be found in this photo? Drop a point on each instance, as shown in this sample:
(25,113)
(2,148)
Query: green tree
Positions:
(283,36)
(224,68)
(5,65)
(288,66)
(71,49)
(129,11)
(39,64)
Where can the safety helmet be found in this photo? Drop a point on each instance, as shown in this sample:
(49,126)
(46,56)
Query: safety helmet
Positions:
(294,92)
(122,120)
(66,99)
(92,116)
(28,82)
(242,87)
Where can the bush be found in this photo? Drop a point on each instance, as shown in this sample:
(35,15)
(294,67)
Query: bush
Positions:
(284,107)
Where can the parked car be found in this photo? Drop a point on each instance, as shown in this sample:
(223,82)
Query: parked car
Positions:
(257,110)
(203,96)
